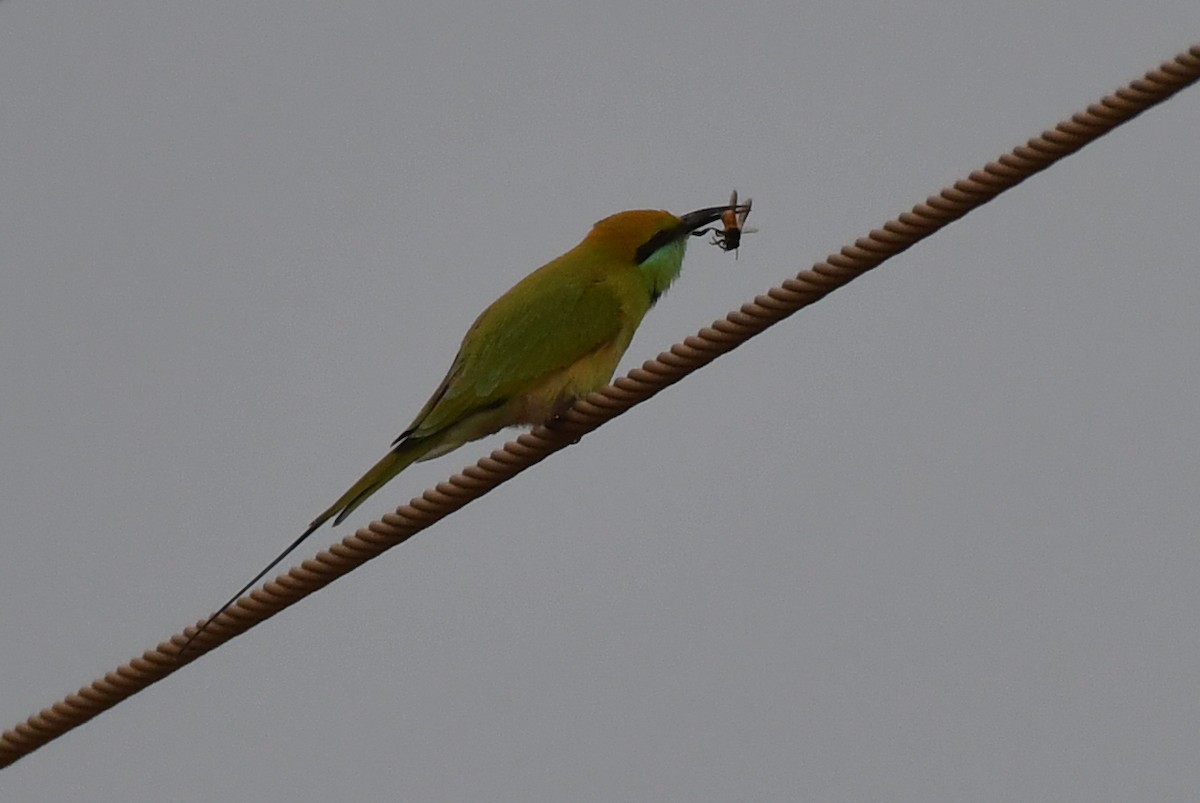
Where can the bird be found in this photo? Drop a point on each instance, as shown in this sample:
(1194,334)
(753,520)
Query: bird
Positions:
(554,337)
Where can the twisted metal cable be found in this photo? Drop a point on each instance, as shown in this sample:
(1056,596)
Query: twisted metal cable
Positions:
(599,407)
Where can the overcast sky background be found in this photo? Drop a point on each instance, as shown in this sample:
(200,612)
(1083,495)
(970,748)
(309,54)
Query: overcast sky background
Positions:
(934,538)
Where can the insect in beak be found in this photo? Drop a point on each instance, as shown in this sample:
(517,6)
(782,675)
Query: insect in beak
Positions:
(733,220)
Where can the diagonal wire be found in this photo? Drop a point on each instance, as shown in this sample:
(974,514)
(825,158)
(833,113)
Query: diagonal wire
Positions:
(601,406)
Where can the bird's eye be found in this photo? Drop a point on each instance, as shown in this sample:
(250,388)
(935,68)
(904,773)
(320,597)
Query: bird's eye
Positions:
(647,249)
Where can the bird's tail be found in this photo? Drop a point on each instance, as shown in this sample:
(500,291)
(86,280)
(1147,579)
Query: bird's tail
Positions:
(402,456)
(376,477)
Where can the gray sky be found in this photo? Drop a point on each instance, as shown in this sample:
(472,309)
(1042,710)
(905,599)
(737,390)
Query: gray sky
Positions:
(932,539)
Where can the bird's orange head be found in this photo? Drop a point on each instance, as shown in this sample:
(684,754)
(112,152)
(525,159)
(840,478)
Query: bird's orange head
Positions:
(636,235)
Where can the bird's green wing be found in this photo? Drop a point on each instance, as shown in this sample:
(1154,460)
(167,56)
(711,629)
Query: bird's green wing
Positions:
(546,323)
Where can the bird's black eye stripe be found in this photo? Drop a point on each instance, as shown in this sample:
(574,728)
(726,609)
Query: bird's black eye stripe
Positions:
(647,249)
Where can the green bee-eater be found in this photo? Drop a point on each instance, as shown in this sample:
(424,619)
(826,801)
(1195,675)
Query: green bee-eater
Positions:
(556,336)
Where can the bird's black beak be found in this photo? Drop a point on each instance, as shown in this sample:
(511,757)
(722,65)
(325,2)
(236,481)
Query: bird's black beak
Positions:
(688,224)
(702,217)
